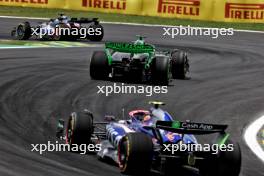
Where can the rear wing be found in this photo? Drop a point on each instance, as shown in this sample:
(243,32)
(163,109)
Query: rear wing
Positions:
(84,20)
(190,128)
(129,47)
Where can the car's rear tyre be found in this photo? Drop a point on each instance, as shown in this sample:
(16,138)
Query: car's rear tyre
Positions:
(99,67)
(23,31)
(135,154)
(171,165)
(226,163)
(179,64)
(74,28)
(80,128)
(60,36)
(98,33)
(160,71)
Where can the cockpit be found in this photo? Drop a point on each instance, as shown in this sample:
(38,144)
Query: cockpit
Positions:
(61,19)
(145,117)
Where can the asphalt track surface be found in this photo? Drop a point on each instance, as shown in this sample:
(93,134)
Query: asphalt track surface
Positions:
(38,86)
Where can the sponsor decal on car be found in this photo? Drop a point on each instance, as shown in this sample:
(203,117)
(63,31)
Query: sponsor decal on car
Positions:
(128,46)
(196,126)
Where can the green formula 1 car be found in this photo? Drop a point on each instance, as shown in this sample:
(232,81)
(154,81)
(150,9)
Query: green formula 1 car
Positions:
(139,61)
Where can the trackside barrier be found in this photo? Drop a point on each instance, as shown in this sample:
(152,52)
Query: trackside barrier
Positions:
(213,10)
(112,6)
(35,3)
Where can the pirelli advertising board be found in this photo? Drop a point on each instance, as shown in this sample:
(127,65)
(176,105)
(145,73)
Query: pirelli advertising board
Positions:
(35,3)
(112,6)
(213,10)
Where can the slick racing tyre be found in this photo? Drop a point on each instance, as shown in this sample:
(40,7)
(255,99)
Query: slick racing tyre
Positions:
(59,35)
(179,64)
(99,68)
(160,71)
(171,165)
(98,33)
(79,129)
(135,154)
(23,31)
(226,163)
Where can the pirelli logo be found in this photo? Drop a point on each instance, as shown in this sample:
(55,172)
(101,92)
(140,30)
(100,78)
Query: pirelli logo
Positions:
(27,1)
(244,11)
(179,7)
(105,4)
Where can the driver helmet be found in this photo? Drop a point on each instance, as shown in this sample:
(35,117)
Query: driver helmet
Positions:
(55,22)
(64,19)
(140,41)
(146,117)
(147,120)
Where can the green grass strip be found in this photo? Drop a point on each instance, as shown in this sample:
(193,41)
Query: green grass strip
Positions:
(40,44)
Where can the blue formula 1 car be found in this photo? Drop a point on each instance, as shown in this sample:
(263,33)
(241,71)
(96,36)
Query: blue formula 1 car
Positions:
(147,142)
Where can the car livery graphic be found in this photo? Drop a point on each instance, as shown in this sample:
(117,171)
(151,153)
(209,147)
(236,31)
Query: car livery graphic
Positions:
(136,144)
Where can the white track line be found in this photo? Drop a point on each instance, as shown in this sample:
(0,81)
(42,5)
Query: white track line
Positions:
(30,18)
(251,139)
(131,24)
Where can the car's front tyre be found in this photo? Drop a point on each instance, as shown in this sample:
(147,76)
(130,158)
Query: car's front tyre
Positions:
(79,129)
(135,153)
